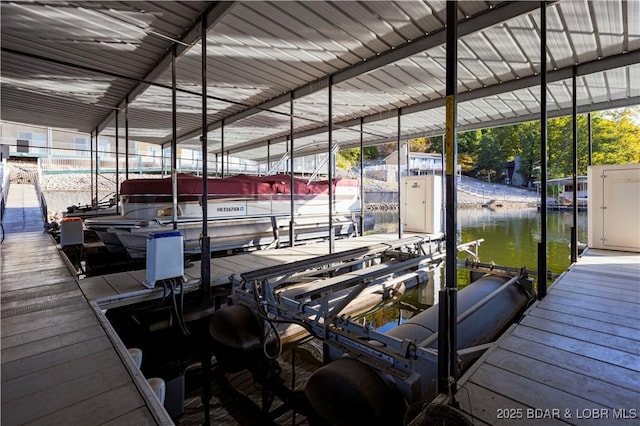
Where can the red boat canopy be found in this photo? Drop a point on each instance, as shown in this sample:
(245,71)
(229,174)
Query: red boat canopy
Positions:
(233,185)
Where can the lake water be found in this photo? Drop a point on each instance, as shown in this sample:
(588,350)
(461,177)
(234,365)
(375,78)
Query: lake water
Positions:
(510,235)
(510,239)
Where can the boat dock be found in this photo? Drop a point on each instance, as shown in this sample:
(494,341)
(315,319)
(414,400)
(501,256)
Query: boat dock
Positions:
(59,361)
(575,356)
(125,288)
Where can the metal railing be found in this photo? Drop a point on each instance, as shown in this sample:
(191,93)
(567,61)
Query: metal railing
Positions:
(495,192)
(141,164)
(5,181)
(44,209)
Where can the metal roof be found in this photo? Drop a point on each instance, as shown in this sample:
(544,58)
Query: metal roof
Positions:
(384,59)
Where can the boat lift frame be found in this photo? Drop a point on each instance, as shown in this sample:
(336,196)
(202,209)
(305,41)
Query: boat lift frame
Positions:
(318,309)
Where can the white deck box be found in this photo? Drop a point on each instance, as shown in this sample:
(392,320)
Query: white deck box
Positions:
(613,207)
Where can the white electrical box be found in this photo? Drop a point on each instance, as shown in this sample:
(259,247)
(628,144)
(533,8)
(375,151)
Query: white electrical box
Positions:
(71,232)
(613,206)
(421,199)
(164,257)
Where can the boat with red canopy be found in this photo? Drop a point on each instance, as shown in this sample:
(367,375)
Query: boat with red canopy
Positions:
(243,211)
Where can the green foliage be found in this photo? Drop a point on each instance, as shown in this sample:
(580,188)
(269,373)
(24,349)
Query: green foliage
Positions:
(490,160)
(343,162)
(482,153)
(371,152)
(419,145)
(618,140)
(348,158)
(615,135)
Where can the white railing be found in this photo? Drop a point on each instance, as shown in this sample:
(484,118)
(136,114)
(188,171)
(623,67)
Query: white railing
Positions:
(5,179)
(496,192)
(139,164)
(381,167)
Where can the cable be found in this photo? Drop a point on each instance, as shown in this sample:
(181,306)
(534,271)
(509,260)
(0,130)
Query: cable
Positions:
(265,317)
(179,318)
(293,383)
(155,305)
(469,402)
(184,324)
(278,342)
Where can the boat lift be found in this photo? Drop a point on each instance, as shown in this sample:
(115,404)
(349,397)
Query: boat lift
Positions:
(314,292)
(336,280)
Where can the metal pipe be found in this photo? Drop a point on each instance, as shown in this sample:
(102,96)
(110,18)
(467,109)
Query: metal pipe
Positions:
(400,209)
(443,216)
(361,177)
(542,245)
(447,326)
(222,149)
(126,138)
(574,227)
(332,236)
(590,139)
(292,231)
(174,144)
(97,164)
(205,247)
(91,167)
(117,163)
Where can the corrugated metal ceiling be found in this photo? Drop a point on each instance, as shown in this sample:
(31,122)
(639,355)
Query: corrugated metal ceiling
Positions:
(261,52)
(124,38)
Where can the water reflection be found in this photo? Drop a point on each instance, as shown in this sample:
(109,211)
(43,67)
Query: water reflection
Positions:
(510,235)
(510,239)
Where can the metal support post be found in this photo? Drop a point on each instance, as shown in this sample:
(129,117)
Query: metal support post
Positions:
(268,155)
(590,138)
(205,265)
(443,213)
(174,141)
(447,325)
(331,162)
(292,229)
(91,166)
(222,169)
(361,177)
(542,245)
(97,165)
(117,163)
(398,147)
(574,161)
(126,138)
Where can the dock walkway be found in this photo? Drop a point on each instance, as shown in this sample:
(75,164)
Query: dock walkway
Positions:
(125,288)
(575,356)
(58,364)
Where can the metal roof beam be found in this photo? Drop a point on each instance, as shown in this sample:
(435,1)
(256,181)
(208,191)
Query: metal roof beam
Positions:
(214,13)
(499,13)
(600,106)
(587,68)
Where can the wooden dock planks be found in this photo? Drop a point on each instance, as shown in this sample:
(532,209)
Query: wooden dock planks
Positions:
(576,352)
(58,364)
(113,287)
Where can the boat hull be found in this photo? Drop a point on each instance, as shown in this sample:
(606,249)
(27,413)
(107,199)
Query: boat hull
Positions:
(227,235)
(236,221)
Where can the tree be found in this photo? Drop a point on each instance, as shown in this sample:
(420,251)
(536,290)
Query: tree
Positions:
(371,153)
(490,159)
(348,158)
(616,137)
(419,145)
